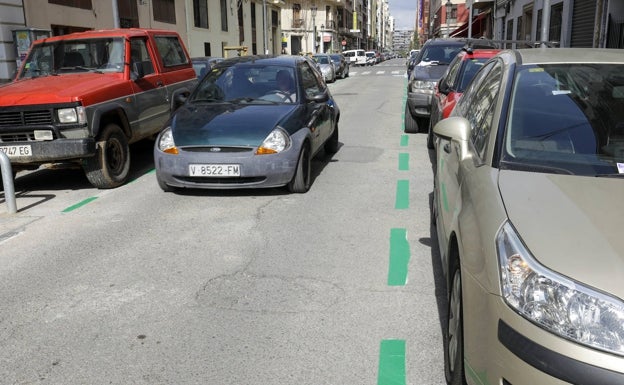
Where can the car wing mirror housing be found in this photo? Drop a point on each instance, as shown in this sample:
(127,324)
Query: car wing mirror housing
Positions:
(455,129)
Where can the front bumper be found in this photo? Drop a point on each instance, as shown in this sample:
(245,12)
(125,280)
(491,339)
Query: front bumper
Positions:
(53,150)
(419,104)
(256,171)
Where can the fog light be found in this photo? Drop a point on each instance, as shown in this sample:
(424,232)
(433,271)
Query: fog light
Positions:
(43,135)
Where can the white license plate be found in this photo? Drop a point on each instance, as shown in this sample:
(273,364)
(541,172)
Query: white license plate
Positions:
(15,151)
(214,169)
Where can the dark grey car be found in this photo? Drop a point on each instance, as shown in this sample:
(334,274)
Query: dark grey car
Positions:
(341,64)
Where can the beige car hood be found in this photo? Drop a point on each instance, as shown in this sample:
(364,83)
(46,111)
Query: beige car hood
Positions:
(571,224)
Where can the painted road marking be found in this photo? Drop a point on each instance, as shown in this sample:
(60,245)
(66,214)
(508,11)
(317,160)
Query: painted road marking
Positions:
(79,204)
(402,194)
(399,257)
(403,161)
(404,140)
(391,363)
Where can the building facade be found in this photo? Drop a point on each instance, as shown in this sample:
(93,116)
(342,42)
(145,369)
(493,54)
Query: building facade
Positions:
(563,23)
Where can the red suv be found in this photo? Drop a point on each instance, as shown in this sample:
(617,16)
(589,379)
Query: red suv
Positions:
(455,80)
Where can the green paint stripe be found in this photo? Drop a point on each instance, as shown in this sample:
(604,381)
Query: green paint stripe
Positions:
(391,363)
(403,161)
(79,204)
(399,257)
(402,195)
(404,140)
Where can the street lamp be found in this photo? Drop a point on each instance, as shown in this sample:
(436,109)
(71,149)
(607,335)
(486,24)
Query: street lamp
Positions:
(313,10)
(264,25)
(321,42)
(449,9)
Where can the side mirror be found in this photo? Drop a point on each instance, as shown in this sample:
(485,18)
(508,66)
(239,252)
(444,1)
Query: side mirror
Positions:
(137,70)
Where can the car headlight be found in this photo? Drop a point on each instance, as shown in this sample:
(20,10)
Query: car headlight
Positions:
(166,143)
(277,141)
(556,303)
(425,86)
(72,115)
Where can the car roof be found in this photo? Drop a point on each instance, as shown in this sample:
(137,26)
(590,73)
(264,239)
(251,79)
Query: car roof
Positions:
(286,60)
(478,53)
(544,55)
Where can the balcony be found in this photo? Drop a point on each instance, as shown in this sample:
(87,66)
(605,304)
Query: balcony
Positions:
(297,23)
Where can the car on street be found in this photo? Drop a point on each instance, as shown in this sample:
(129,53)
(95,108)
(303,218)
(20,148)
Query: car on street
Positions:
(203,64)
(527,207)
(251,122)
(411,61)
(371,58)
(429,66)
(356,57)
(341,64)
(326,65)
(454,81)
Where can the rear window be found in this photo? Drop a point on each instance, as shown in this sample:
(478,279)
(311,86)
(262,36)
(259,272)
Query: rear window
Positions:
(171,50)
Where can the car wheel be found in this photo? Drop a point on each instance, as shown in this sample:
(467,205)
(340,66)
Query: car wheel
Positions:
(300,182)
(430,136)
(422,123)
(454,338)
(110,166)
(410,122)
(331,146)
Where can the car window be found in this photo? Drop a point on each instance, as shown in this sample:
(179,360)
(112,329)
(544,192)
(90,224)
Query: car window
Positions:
(452,72)
(312,85)
(481,112)
(140,56)
(469,69)
(170,50)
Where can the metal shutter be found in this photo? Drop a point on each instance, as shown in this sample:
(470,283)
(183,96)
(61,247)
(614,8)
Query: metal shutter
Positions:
(583,23)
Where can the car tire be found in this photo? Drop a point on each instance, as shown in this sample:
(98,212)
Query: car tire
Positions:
(454,336)
(430,136)
(300,182)
(410,123)
(332,144)
(110,166)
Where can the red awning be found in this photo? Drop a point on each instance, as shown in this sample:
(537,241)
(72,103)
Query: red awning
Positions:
(477,27)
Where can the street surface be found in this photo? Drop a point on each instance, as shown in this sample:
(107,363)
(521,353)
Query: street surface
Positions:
(338,286)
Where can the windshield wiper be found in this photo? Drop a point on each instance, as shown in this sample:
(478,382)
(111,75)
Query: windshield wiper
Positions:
(244,99)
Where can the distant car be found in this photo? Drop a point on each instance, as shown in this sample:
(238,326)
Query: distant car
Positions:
(371,58)
(356,57)
(411,61)
(455,80)
(251,122)
(326,66)
(202,65)
(528,208)
(341,64)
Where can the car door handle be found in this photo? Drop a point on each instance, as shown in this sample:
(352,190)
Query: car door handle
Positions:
(447,148)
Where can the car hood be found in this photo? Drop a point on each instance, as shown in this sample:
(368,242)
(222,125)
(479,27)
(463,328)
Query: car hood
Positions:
(229,124)
(63,88)
(432,72)
(571,224)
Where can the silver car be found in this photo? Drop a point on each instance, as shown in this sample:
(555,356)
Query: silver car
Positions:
(326,65)
(529,207)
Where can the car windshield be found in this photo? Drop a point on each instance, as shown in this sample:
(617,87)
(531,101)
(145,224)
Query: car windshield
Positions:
(247,83)
(321,59)
(101,55)
(440,53)
(567,118)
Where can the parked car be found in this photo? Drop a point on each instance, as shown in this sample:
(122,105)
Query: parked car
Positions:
(429,66)
(411,61)
(528,210)
(357,57)
(341,64)
(203,64)
(326,65)
(453,83)
(244,126)
(371,58)
(83,98)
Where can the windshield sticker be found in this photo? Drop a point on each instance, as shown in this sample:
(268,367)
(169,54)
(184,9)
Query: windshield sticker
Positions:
(620,167)
(536,70)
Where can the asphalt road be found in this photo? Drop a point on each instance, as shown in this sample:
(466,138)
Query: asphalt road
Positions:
(339,286)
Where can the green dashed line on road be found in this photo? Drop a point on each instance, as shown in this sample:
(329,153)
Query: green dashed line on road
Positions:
(404,140)
(79,204)
(399,257)
(402,195)
(403,161)
(391,363)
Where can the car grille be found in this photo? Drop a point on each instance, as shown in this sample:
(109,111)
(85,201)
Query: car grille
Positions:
(217,149)
(27,118)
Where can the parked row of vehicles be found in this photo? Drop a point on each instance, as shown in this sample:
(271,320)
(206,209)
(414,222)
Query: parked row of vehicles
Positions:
(245,122)
(528,180)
